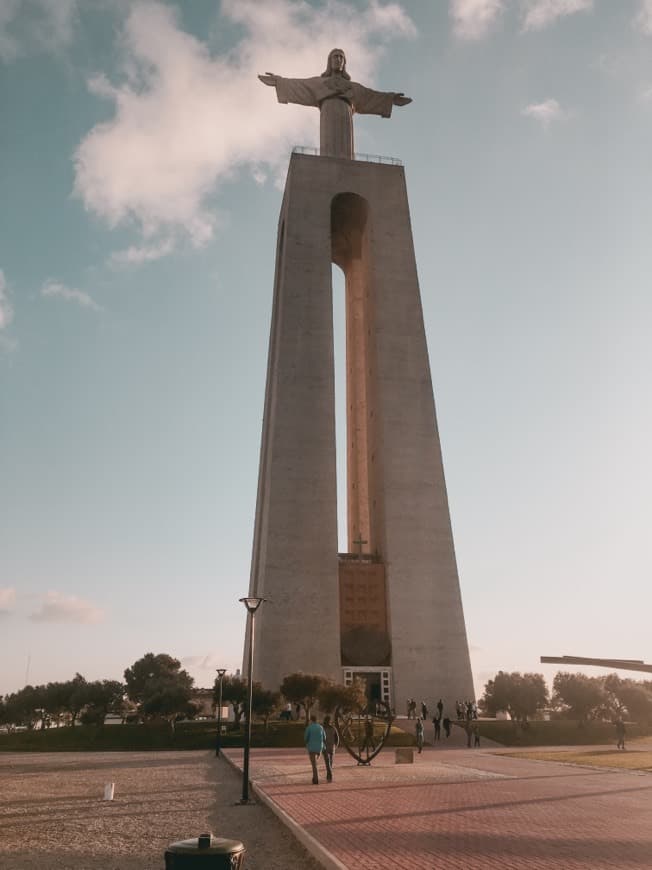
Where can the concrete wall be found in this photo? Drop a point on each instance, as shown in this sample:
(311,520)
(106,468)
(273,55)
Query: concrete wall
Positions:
(404,499)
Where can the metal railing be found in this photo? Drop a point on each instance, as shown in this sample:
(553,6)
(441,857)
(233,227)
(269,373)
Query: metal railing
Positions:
(364,158)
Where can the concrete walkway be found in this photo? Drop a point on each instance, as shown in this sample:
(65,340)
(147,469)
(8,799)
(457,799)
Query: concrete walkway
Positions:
(460,808)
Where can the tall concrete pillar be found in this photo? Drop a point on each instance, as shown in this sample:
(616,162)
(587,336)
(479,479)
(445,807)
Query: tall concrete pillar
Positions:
(355,214)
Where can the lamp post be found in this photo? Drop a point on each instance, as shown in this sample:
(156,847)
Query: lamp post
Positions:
(252,605)
(220,677)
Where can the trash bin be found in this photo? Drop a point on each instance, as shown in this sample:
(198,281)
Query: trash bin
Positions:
(205,851)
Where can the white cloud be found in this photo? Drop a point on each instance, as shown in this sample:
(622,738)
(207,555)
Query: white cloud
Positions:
(473,19)
(55,288)
(8,44)
(208,662)
(28,26)
(643,20)
(645,93)
(136,254)
(7,599)
(203,667)
(6,309)
(185,121)
(546,112)
(538,14)
(56,607)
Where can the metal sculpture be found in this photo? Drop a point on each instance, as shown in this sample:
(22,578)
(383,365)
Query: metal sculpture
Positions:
(364,731)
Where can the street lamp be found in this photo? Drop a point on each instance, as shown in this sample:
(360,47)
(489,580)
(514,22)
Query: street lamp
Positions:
(220,677)
(252,605)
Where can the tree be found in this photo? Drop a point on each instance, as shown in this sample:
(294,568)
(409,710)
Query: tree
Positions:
(497,694)
(152,670)
(158,684)
(234,692)
(74,693)
(77,696)
(168,700)
(25,706)
(66,697)
(614,706)
(349,698)
(264,702)
(102,697)
(580,697)
(44,702)
(531,695)
(302,689)
(636,697)
(521,695)
(57,699)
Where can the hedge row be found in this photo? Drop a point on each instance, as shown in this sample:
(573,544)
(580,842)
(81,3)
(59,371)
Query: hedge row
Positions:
(187,735)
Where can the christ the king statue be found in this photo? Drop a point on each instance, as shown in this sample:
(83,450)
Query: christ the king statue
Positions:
(337,98)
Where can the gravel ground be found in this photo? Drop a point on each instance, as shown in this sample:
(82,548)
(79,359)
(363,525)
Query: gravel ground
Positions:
(53,815)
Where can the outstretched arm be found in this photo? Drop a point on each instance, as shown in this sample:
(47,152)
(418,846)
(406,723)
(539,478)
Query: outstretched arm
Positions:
(370,102)
(300,91)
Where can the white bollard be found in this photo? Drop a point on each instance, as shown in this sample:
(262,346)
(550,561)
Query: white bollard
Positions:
(108,791)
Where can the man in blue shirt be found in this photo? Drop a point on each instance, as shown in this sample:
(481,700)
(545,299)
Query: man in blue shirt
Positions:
(314,738)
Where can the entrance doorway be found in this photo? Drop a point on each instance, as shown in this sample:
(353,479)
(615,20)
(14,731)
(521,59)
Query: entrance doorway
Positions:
(377,680)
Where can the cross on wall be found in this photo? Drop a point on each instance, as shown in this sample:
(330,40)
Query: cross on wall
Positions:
(359,544)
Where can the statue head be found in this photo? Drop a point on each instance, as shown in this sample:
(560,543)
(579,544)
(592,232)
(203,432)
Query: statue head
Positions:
(336,64)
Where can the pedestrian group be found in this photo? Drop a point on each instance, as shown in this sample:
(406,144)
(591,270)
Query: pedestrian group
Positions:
(465,711)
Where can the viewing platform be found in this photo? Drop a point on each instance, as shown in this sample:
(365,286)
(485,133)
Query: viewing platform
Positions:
(363,158)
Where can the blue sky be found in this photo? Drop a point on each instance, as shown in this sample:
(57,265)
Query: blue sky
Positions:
(141,170)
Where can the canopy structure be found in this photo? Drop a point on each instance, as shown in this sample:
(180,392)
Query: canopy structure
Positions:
(620,664)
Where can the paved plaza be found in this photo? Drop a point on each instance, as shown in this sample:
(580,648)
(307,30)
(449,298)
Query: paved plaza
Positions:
(453,808)
(462,808)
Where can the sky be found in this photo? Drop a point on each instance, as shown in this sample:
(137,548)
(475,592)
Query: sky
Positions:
(141,173)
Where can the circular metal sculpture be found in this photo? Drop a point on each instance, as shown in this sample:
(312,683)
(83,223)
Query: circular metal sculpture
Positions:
(364,731)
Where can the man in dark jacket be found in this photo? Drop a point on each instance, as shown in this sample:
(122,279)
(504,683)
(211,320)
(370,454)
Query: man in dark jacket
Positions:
(331,742)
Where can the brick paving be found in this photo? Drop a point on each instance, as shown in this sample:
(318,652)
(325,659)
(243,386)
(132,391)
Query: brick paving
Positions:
(461,808)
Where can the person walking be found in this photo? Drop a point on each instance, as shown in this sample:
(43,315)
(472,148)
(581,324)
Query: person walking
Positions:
(314,740)
(419,733)
(476,735)
(368,741)
(620,733)
(437,723)
(447,726)
(331,742)
(424,711)
(440,708)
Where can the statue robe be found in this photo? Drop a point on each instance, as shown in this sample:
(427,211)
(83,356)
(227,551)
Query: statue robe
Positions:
(337,99)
